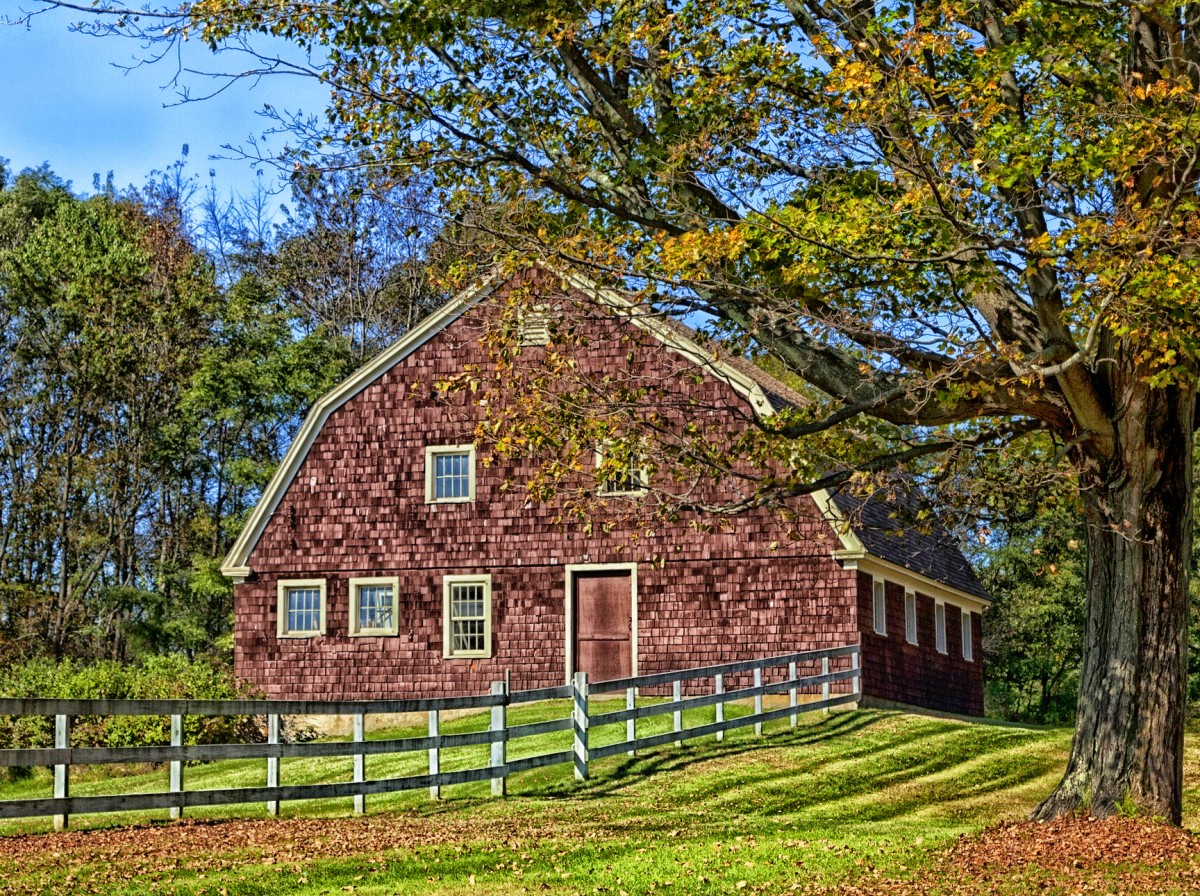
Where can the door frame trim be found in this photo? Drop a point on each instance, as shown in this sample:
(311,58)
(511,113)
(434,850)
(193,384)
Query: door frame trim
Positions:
(570,570)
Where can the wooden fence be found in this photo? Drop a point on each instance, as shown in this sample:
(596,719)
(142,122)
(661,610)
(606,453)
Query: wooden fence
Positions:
(817,684)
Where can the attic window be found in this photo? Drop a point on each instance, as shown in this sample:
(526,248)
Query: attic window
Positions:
(534,327)
(617,476)
(449,474)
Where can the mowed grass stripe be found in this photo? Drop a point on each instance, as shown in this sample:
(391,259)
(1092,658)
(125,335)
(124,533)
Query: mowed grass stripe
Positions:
(846,797)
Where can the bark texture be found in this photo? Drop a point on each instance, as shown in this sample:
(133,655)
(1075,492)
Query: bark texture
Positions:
(1127,754)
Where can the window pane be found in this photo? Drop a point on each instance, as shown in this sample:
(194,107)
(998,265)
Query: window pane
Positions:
(374,606)
(968,647)
(452,475)
(468,635)
(303,609)
(468,609)
(630,478)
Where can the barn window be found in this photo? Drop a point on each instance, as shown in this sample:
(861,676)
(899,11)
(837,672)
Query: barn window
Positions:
(373,606)
(967,644)
(910,617)
(449,474)
(467,627)
(939,621)
(619,475)
(301,612)
(879,606)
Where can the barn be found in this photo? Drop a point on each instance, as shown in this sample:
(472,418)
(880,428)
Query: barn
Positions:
(387,559)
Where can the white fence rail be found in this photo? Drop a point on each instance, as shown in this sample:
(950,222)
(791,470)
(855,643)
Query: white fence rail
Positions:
(499,734)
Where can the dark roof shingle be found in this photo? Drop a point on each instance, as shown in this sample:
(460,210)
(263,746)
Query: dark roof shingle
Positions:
(886,530)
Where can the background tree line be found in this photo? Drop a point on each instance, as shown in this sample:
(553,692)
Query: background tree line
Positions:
(158,349)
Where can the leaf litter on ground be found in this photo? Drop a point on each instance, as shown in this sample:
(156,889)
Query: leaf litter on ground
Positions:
(1071,855)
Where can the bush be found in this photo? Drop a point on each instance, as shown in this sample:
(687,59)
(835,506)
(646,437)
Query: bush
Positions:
(171,677)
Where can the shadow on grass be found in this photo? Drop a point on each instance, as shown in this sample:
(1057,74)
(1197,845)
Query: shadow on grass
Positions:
(863,764)
(846,765)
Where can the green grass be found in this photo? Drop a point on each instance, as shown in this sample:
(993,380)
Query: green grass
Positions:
(103,780)
(842,795)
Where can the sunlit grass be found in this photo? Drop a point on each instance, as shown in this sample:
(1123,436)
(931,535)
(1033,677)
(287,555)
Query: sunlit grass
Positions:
(815,803)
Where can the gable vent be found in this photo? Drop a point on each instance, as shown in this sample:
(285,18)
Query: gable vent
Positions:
(535,326)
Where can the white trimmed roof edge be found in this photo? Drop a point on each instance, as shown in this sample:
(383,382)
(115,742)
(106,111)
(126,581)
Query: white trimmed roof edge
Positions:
(236,563)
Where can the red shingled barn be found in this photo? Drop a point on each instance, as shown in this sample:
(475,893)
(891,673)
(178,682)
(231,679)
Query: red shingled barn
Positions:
(384,560)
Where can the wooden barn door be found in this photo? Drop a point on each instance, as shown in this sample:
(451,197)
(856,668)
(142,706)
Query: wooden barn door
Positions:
(603,634)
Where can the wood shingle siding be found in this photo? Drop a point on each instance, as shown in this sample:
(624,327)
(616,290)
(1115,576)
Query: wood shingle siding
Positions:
(352,503)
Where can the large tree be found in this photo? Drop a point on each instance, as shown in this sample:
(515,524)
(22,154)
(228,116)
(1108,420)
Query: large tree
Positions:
(969,219)
(142,410)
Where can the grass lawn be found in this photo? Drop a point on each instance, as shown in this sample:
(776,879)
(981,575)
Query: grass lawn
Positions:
(862,799)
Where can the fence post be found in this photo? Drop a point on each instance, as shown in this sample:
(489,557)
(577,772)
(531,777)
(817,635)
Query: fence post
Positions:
(360,761)
(825,686)
(856,681)
(273,761)
(758,698)
(719,688)
(631,724)
(62,782)
(677,695)
(580,716)
(792,697)
(177,765)
(500,747)
(435,753)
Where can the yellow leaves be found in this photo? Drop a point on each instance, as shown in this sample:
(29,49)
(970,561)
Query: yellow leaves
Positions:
(853,75)
(693,253)
(1161,90)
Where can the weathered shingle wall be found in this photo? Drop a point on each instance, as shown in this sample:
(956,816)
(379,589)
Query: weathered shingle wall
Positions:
(918,674)
(357,508)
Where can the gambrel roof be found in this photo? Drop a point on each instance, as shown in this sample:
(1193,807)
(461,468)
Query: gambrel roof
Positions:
(931,563)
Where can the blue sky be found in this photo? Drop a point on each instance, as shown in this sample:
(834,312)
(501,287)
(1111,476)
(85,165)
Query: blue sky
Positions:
(63,101)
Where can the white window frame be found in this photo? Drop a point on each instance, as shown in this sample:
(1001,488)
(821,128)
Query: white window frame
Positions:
(432,452)
(910,616)
(968,645)
(448,583)
(355,584)
(281,609)
(879,606)
(939,626)
(637,473)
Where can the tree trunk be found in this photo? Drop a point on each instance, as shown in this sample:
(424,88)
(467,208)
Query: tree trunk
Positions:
(1127,753)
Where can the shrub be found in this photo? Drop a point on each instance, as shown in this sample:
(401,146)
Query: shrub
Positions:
(171,677)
